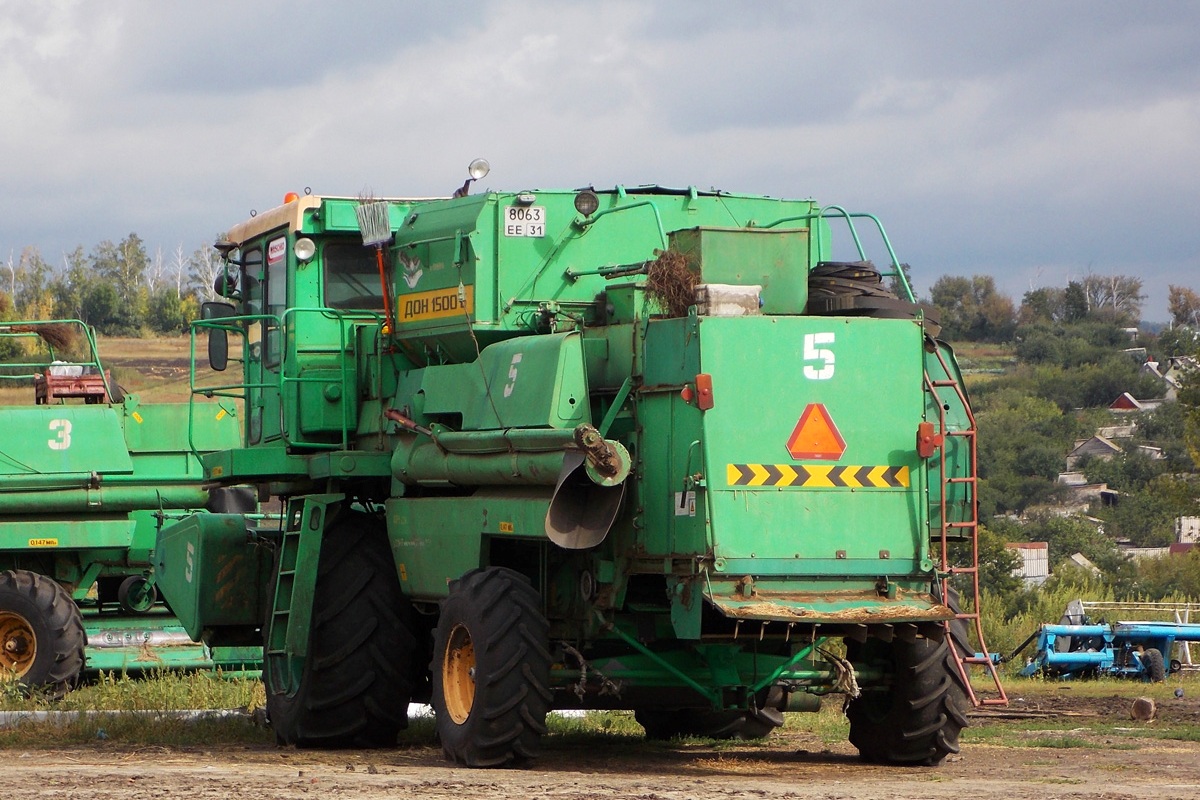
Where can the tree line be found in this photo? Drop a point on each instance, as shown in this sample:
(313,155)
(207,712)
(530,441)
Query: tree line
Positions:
(973,309)
(118,287)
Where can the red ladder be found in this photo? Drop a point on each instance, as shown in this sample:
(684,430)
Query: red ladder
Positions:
(966,529)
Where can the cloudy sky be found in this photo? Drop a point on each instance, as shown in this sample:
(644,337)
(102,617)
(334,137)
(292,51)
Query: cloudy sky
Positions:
(1032,141)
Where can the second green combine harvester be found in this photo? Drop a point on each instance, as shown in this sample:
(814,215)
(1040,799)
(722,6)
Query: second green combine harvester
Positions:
(87,476)
(642,449)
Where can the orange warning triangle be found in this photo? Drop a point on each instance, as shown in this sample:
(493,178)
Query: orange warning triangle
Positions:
(815,435)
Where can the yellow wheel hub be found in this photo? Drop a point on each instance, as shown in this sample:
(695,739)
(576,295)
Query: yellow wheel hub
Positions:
(18,645)
(458,674)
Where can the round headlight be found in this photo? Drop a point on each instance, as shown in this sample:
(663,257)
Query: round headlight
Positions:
(586,202)
(304,249)
(479,168)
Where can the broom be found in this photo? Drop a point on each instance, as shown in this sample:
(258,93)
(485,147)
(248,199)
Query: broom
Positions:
(374,222)
(58,335)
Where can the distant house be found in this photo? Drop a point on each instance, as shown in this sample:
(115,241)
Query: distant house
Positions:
(1138,553)
(1072,480)
(1083,562)
(1127,403)
(1034,564)
(1095,447)
(1117,431)
(1176,368)
(1151,452)
(1187,530)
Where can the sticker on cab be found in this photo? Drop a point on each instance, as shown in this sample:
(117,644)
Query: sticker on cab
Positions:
(435,304)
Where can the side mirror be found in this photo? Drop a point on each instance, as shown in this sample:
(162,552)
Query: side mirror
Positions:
(218,339)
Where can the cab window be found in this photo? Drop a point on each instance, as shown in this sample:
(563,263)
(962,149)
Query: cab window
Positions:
(351,277)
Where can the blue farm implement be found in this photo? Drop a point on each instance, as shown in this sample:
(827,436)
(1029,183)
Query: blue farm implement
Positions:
(1080,647)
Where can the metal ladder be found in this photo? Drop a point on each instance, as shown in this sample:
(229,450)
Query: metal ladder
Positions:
(947,391)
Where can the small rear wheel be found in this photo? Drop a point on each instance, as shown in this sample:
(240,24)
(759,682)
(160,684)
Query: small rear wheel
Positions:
(491,669)
(1155,667)
(41,633)
(137,595)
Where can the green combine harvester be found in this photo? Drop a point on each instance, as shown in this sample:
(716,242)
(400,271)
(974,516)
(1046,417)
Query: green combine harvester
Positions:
(641,448)
(87,476)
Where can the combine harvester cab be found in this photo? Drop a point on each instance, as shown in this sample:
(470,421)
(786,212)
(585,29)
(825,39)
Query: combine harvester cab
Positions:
(87,474)
(643,449)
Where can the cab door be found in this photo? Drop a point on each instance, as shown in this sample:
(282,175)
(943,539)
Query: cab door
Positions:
(265,300)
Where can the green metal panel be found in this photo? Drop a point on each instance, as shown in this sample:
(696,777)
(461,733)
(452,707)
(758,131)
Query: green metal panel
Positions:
(327,401)
(867,374)
(62,439)
(529,382)
(945,403)
(250,464)
(437,539)
(210,574)
(155,641)
(57,533)
(296,570)
(164,428)
(777,260)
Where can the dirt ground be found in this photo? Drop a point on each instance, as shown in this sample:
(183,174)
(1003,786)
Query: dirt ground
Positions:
(791,764)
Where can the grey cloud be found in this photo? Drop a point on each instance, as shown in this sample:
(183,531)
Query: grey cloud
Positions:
(1022,139)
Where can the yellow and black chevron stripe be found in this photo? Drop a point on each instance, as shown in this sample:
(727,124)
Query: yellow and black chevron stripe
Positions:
(813,476)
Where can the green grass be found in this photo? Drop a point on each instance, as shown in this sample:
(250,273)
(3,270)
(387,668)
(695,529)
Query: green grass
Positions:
(124,710)
(159,691)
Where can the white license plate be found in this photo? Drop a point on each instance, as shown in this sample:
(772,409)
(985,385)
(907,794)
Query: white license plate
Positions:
(524,221)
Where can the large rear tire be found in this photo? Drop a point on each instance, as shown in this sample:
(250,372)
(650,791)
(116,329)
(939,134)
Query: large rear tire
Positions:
(355,683)
(672,723)
(491,669)
(41,633)
(917,719)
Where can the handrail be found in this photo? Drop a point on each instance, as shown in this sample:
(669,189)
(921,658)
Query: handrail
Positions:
(821,213)
(239,325)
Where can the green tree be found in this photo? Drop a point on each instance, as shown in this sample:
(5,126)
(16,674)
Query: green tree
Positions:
(997,562)
(168,311)
(1075,303)
(1170,577)
(1189,401)
(1181,340)
(1145,515)
(69,287)
(1045,305)
(1184,306)
(1115,298)
(972,309)
(33,299)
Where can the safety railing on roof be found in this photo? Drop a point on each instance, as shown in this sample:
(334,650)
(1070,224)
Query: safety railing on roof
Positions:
(836,211)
